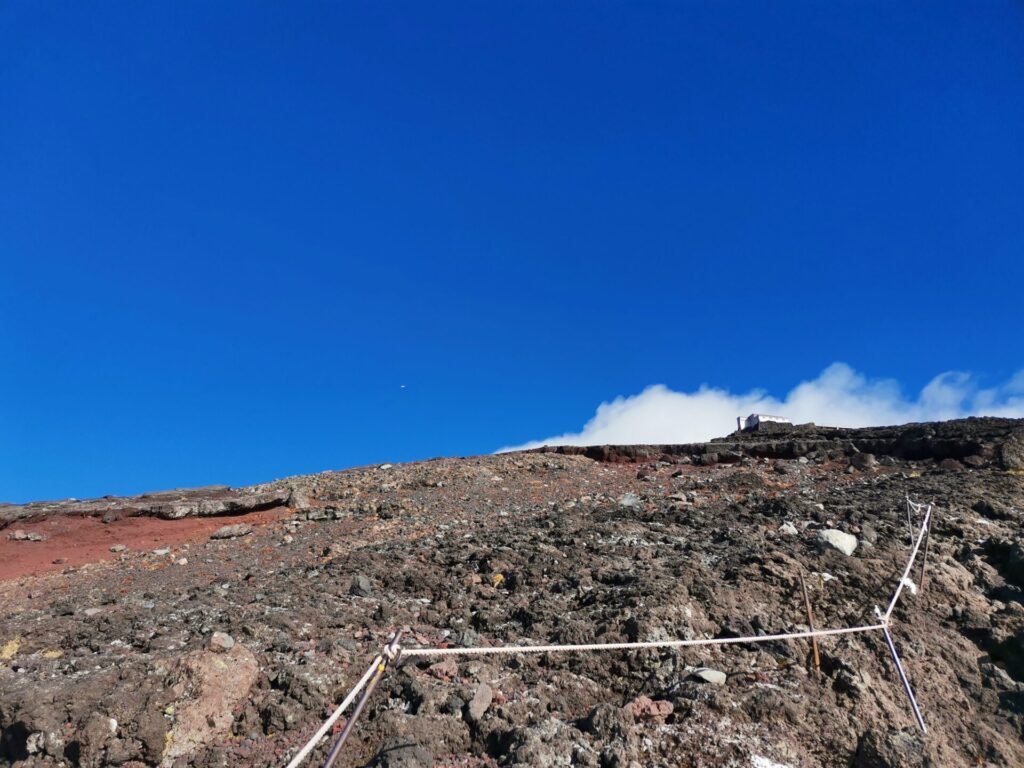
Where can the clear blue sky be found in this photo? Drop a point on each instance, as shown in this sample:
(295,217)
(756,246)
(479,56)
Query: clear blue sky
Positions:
(229,232)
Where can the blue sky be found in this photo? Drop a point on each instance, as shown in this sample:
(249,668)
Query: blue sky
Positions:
(230,233)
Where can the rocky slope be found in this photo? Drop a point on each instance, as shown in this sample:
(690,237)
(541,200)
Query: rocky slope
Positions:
(231,650)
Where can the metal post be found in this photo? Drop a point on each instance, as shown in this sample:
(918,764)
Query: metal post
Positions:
(924,553)
(810,623)
(904,680)
(329,723)
(910,524)
(391,653)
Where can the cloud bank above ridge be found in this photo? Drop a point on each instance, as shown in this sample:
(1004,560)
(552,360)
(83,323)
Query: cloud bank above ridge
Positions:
(839,396)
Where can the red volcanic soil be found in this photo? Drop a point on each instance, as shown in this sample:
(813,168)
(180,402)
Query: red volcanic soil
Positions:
(75,541)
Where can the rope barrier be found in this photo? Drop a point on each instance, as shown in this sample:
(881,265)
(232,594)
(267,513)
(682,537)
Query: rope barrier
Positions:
(392,651)
(910,563)
(390,654)
(329,723)
(501,649)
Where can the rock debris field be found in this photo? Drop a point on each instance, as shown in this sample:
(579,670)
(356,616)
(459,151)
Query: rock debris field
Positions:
(221,626)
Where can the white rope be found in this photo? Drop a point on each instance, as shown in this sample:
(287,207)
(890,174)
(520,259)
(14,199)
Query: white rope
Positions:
(329,723)
(910,563)
(428,652)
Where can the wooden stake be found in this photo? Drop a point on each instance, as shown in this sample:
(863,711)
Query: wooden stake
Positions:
(810,623)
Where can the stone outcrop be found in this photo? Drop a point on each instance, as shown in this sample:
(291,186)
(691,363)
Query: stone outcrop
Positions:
(986,441)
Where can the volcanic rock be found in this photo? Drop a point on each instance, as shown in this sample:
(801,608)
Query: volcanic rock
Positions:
(788,529)
(361,586)
(863,460)
(713,676)
(644,708)
(843,542)
(221,641)
(478,705)
(1011,453)
(232,531)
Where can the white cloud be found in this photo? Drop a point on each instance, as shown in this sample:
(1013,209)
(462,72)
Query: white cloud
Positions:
(839,397)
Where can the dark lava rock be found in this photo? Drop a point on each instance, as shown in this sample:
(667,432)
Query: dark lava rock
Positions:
(863,460)
(361,586)
(1011,453)
(891,749)
(995,510)
(406,756)
(609,721)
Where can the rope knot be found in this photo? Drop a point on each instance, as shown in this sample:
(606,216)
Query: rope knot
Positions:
(392,650)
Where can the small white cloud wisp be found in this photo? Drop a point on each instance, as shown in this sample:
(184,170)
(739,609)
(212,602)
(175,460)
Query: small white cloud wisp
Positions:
(839,397)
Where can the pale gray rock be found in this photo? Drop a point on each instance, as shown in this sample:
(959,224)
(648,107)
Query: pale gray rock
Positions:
(843,542)
(221,641)
(708,675)
(630,501)
(232,531)
(480,702)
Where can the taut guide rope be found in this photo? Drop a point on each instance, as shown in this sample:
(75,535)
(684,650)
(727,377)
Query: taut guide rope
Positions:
(392,651)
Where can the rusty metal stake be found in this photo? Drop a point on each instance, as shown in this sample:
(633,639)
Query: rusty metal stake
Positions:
(924,554)
(910,524)
(903,679)
(810,623)
(390,654)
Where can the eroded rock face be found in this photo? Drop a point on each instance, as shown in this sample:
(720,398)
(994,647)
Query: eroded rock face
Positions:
(169,505)
(203,507)
(979,439)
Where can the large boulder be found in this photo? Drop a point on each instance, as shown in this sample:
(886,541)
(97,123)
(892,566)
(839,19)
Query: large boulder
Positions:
(1011,452)
(863,460)
(214,683)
